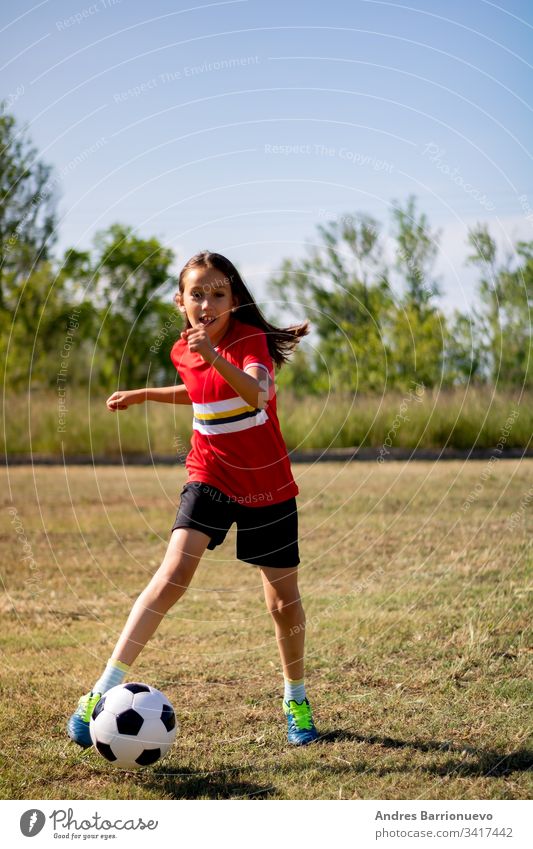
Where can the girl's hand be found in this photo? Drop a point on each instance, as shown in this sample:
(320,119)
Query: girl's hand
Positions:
(121,400)
(199,342)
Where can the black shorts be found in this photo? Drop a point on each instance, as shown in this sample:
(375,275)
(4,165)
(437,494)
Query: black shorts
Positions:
(266,536)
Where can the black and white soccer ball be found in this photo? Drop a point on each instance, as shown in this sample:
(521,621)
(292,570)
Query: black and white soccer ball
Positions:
(133,725)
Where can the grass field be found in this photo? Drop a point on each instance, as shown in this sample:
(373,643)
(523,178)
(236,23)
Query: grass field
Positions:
(462,418)
(418,662)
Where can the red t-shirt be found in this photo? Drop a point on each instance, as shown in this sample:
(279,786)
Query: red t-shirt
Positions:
(234,447)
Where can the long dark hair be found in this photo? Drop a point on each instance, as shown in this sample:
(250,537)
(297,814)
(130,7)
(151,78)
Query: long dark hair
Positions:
(281,341)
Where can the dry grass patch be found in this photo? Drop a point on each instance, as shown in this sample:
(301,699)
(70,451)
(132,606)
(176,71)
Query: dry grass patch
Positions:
(417,636)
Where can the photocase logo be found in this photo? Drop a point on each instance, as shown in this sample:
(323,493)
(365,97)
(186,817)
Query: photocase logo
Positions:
(31,822)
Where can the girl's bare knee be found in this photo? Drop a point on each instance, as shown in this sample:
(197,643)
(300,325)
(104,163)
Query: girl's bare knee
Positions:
(173,578)
(283,609)
(161,594)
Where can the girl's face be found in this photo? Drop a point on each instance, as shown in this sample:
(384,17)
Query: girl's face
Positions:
(207,300)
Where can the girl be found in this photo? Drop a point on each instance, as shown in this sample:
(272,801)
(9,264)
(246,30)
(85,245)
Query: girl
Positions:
(238,471)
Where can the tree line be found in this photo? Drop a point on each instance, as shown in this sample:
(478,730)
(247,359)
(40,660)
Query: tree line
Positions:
(106,316)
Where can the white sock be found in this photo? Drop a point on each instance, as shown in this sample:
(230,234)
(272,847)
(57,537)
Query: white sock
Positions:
(113,674)
(294,690)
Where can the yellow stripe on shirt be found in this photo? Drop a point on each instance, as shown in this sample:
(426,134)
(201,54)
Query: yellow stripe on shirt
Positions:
(223,414)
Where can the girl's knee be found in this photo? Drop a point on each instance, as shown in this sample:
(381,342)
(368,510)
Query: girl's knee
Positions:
(160,595)
(170,582)
(177,570)
(285,608)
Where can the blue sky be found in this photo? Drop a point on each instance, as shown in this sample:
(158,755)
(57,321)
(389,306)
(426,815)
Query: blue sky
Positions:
(238,126)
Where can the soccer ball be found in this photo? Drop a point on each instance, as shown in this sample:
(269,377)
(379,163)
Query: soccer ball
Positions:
(133,725)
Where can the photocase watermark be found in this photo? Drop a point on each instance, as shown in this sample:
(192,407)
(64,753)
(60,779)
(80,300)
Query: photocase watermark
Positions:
(489,467)
(164,333)
(516,517)
(83,14)
(526,208)
(412,266)
(435,154)
(61,378)
(250,498)
(34,582)
(81,157)
(10,99)
(65,820)
(288,149)
(184,73)
(13,237)
(180,449)
(338,604)
(32,822)
(353,156)
(415,394)
(344,220)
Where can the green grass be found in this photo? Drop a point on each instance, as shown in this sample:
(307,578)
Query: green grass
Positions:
(457,419)
(418,659)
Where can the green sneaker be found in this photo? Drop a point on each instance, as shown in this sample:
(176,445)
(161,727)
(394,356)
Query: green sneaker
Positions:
(301,728)
(78,724)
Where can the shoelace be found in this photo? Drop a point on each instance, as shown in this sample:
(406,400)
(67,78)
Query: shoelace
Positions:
(301,716)
(86,706)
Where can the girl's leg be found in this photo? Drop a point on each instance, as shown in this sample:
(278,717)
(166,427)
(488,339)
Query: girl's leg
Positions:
(169,583)
(183,554)
(282,598)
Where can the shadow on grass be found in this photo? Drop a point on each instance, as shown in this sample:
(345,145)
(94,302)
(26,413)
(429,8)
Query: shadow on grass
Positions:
(186,784)
(486,763)
(222,783)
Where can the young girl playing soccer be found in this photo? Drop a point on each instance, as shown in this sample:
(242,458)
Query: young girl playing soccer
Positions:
(238,471)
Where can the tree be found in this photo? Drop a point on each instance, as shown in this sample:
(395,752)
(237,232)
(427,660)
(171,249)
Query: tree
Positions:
(418,329)
(37,336)
(343,288)
(27,209)
(417,339)
(506,298)
(126,279)
(518,307)
(465,355)
(368,339)
(416,251)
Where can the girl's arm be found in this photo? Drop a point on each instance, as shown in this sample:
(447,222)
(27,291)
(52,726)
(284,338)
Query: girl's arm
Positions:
(254,390)
(252,387)
(121,400)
